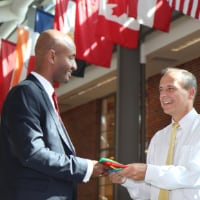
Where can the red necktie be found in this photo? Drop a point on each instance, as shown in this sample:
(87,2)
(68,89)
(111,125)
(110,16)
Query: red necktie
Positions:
(55,100)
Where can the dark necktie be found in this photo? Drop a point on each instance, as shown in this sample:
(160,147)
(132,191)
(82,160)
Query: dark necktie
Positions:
(55,100)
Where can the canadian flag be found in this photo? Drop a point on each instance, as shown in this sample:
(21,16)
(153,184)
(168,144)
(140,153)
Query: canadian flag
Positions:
(90,47)
(60,15)
(152,13)
(119,29)
(188,7)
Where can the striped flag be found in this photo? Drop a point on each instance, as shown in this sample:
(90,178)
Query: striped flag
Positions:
(187,7)
(30,47)
(21,53)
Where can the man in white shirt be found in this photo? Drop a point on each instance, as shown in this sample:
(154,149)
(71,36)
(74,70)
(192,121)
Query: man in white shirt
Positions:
(181,179)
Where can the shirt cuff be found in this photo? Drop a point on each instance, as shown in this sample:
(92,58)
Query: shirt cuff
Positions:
(89,171)
(151,173)
(128,183)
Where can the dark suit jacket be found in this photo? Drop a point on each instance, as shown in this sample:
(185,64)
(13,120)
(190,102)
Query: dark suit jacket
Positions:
(37,158)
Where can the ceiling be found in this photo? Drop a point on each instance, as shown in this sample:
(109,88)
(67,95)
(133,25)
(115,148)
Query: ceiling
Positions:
(174,54)
(12,13)
(15,12)
(98,81)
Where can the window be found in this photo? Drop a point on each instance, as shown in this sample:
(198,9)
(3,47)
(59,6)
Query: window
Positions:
(107,142)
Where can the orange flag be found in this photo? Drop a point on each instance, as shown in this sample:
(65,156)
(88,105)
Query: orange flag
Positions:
(22,43)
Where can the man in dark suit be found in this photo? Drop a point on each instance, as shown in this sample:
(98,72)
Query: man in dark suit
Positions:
(37,158)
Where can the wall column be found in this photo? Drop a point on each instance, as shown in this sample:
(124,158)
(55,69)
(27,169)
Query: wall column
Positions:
(129,112)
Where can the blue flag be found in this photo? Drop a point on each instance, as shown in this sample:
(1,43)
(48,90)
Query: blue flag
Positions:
(43,21)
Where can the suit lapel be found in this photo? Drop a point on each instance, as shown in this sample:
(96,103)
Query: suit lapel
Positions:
(68,138)
(59,124)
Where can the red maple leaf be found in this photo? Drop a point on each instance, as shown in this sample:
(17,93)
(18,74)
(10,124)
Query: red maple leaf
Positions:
(121,7)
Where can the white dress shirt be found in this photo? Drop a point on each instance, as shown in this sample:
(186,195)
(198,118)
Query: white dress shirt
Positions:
(49,90)
(183,177)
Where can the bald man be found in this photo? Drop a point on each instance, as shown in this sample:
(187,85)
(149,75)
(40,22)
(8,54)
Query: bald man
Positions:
(37,158)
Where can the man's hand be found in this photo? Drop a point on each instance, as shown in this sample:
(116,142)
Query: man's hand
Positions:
(116,178)
(135,171)
(99,169)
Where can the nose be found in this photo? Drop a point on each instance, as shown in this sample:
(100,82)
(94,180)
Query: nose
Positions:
(162,93)
(74,65)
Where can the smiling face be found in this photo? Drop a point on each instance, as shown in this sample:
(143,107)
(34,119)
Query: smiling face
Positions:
(175,100)
(64,64)
(55,56)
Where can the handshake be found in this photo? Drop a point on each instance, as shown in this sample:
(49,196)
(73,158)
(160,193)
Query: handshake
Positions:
(105,166)
(113,166)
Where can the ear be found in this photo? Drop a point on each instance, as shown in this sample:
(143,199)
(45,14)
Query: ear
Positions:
(51,56)
(192,92)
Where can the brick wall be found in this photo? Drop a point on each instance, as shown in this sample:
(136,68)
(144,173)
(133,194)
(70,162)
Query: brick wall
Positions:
(83,125)
(155,118)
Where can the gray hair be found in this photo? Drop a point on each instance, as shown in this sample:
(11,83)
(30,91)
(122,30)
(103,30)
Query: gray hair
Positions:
(188,79)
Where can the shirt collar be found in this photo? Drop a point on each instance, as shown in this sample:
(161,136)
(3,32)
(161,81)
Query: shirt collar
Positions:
(45,83)
(188,119)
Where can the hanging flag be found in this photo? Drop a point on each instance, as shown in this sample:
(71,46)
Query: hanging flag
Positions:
(122,30)
(43,21)
(60,15)
(21,51)
(7,65)
(81,65)
(64,21)
(90,47)
(121,6)
(33,36)
(152,13)
(31,61)
(189,7)
(31,64)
